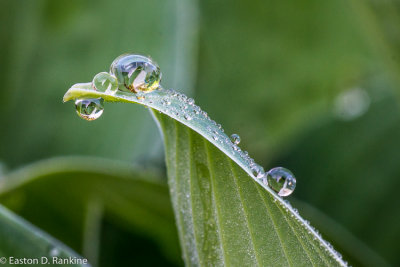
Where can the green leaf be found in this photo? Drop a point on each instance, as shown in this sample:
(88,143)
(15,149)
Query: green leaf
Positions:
(224,214)
(20,239)
(90,204)
(299,58)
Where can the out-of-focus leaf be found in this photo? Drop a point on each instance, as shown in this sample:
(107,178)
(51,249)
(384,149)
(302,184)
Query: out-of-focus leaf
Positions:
(350,170)
(225,215)
(282,62)
(47,45)
(20,240)
(89,204)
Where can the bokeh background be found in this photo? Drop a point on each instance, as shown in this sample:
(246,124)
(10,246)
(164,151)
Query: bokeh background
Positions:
(309,85)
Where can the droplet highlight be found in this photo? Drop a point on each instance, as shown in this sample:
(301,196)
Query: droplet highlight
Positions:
(89,109)
(136,73)
(281,180)
(104,82)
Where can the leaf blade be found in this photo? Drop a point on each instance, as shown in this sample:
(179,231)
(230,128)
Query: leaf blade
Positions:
(133,202)
(20,239)
(236,245)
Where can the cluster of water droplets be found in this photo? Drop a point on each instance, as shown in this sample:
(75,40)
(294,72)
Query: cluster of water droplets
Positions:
(128,73)
(140,76)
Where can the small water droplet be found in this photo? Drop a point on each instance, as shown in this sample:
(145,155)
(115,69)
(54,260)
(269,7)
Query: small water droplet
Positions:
(281,180)
(190,101)
(257,171)
(235,139)
(103,81)
(215,137)
(187,117)
(89,109)
(136,73)
(140,96)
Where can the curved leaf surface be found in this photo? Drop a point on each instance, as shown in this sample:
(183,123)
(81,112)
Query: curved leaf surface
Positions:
(22,241)
(224,214)
(90,204)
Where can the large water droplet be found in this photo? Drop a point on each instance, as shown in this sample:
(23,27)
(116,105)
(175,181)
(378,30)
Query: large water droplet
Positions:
(281,180)
(235,139)
(136,73)
(89,109)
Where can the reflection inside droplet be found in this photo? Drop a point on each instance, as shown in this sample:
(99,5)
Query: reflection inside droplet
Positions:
(136,73)
(89,109)
(281,180)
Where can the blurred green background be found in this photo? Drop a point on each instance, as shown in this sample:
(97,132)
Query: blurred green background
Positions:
(309,85)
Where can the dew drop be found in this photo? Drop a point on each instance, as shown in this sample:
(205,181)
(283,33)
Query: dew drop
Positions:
(103,81)
(190,101)
(136,73)
(281,180)
(89,109)
(235,139)
(257,171)
(140,96)
(187,117)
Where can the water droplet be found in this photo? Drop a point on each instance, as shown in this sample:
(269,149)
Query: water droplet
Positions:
(281,180)
(140,96)
(136,73)
(103,81)
(190,101)
(187,117)
(89,109)
(257,171)
(235,139)
(215,137)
